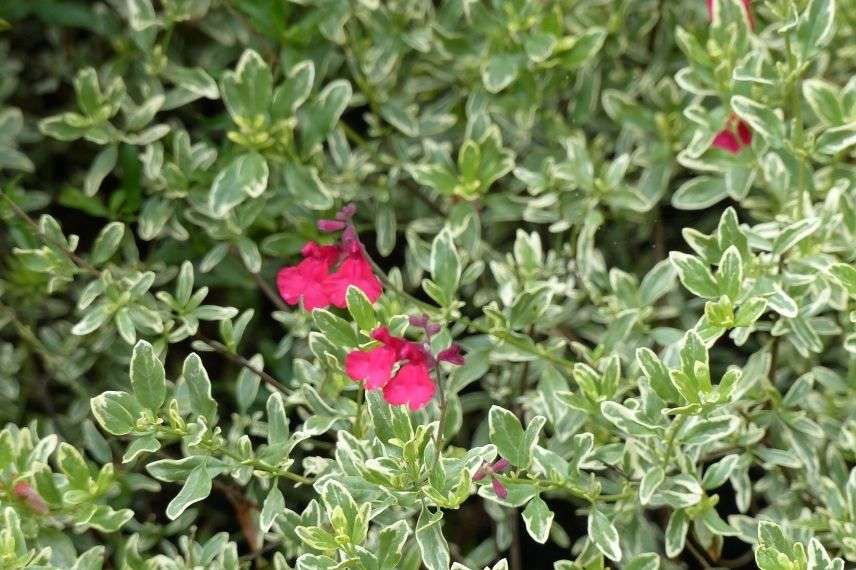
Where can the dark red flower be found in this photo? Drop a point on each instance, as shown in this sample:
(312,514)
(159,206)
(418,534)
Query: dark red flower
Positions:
(734,137)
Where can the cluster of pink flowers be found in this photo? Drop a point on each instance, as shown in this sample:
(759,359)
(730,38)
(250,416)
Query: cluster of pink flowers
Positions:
(323,277)
(736,134)
(400,367)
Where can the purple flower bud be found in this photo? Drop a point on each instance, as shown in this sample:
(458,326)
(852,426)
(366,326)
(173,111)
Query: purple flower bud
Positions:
(432,328)
(499,489)
(419,321)
(452,355)
(330,226)
(501,465)
(347,212)
(480,473)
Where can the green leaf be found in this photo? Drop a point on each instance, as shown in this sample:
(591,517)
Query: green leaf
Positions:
(141,14)
(103,165)
(676,533)
(432,543)
(695,275)
(338,331)
(699,193)
(361,309)
(148,379)
(107,242)
(277,420)
(657,374)
(196,488)
(445,264)
(194,79)
(602,533)
(795,233)
(142,445)
(538,519)
(274,505)
(508,435)
(246,175)
(846,275)
(646,561)
(500,71)
(116,412)
(815,28)
(626,419)
(73,466)
(729,276)
(583,48)
(824,99)
(321,115)
(836,139)
(247,90)
(650,483)
(198,387)
(762,119)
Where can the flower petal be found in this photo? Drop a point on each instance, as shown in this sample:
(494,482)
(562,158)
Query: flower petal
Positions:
(357,271)
(412,386)
(304,282)
(372,367)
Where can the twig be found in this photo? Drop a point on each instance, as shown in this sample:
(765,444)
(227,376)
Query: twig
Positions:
(269,292)
(238,359)
(79,261)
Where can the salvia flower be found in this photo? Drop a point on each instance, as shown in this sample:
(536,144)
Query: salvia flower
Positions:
(491,470)
(323,277)
(399,367)
(26,493)
(734,137)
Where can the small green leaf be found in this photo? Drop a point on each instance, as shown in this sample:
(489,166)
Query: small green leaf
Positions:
(107,242)
(538,519)
(196,488)
(602,533)
(148,379)
(199,387)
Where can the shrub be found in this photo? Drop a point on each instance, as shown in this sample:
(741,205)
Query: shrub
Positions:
(377,285)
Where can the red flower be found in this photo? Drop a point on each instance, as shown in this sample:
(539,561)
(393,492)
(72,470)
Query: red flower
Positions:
(26,493)
(746,6)
(411,384)
(372,367)
(303,281)
(357,271)
(734,137)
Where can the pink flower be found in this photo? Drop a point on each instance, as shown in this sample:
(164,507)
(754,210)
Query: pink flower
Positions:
(747,6)
(303,281)
(372,367)
(357,271)
(412,386)
(487,470)
(499,489)
(31,497)
(734,137)
(326,272)
(452,355)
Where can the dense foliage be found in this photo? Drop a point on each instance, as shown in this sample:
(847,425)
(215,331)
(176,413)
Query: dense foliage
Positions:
(380,285)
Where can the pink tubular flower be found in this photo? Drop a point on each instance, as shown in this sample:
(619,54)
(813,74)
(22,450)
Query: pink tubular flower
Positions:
(747,6)
(357,271)
(410,384)
(487,470)
(31,497)
(734,137)
(326,272)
